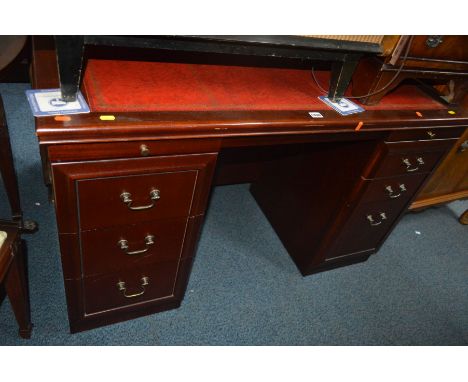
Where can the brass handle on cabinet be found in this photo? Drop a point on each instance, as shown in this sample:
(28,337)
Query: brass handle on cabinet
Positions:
(463,147)
(121,286)
(383,217)
(434,41)
(431,134)
(144,150)
(123,244)
(409,166)
(127,199)
(391,193)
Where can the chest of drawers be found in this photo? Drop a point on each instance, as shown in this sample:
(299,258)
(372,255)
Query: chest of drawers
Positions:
(370,196)
(386,189)
(126,227)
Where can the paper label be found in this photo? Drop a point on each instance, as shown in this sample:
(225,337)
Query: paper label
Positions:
(315,114)
(45,102)
(343,106)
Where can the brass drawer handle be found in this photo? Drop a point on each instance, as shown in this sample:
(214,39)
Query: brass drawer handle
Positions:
(463,147)
(392,194)
(410,167)
(123,244)
(121,286)
(431,134)
(127,199)
(434,41)
(144,150)
(383,217)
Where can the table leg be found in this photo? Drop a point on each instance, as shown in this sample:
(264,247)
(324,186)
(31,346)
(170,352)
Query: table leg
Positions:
(342,72)
(17,290)
(7,169)
(70,61)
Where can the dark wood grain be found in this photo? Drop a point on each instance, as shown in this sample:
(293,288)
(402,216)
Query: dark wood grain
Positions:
(301,193)
(101,293)
(101,253)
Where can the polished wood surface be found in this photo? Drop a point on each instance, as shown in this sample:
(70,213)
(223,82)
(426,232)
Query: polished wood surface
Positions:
(316,180)
(13,273)
(450,181)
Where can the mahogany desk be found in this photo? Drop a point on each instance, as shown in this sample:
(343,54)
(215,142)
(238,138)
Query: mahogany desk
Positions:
(131,193)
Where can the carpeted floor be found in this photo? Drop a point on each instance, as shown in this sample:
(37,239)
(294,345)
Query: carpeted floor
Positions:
(245,290)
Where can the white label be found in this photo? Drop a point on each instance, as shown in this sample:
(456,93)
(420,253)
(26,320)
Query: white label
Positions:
(315,114)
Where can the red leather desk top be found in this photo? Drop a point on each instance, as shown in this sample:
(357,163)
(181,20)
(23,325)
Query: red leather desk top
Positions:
(154,86)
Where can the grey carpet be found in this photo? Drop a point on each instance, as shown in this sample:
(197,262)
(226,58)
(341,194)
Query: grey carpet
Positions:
(245,290)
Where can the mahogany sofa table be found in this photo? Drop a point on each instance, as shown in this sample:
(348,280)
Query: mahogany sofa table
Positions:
(131,189)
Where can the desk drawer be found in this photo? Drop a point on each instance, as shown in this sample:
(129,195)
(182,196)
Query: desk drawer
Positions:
(126,200)
(408,163)
(137,285)
(121,192)
(111,250)
(365,228)
(425,134)
(132,149)
(397,189)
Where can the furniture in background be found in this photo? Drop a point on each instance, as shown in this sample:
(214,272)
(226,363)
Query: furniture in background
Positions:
(13,273)
(15,54)
(131,180)
(343,53)
(449,182)
(435,59)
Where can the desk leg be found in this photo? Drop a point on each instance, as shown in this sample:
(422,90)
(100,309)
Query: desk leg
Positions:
(69,59)
(7,169)
(342,72)
(17,290)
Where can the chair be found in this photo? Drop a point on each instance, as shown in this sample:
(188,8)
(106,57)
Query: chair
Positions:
(12,258)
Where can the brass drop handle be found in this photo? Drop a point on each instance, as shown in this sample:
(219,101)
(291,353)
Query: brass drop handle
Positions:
(127,199)
(431,134)
(392,194)
(410,167)
(383,217)
(144,150)
(463,147)
(123,244)
(122,287)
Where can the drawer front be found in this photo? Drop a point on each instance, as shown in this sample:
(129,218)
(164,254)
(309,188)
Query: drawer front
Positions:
(398,190)
(365,228)
(135,149)
(115,249)
(133,286)
(403,163)
(431,134)
(126,200)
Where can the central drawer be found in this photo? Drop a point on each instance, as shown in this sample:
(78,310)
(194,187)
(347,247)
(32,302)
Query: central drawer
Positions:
(127,200)
(117,248)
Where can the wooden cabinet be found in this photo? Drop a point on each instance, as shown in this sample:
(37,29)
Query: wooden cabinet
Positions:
(450,181)
(326,221)
(437,58)
(125,228)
